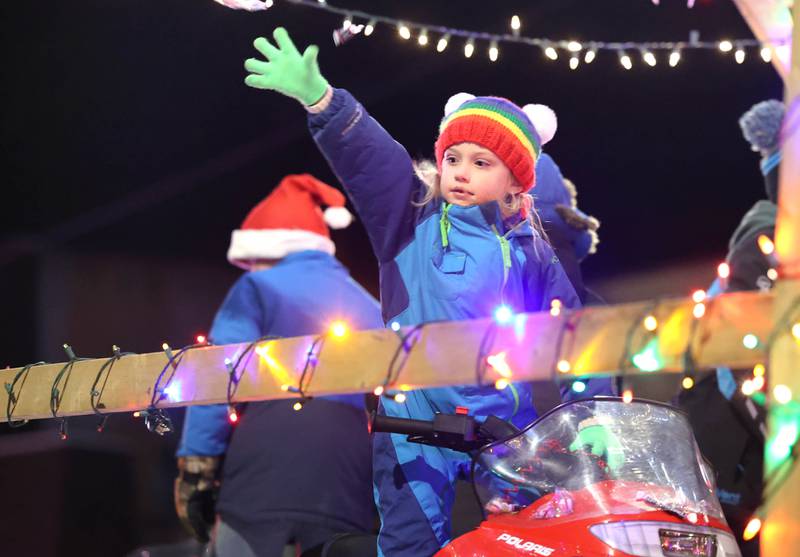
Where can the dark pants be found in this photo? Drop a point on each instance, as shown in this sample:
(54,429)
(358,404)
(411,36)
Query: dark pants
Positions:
(272,540)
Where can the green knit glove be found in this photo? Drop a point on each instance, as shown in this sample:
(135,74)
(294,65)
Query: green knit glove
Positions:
(601,441)
(286,70)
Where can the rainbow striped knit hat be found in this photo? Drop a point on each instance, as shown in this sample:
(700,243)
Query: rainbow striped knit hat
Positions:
(515,134)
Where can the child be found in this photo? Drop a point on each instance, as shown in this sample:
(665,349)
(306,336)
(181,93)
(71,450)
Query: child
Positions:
(571,233)
(452,247)
(272,490)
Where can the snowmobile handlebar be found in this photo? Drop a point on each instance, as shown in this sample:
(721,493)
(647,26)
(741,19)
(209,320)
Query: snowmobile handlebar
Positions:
(459,432)
(389,424)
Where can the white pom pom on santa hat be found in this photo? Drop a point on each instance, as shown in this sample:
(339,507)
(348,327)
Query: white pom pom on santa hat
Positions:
(543,119)
(337,217)
(455,101)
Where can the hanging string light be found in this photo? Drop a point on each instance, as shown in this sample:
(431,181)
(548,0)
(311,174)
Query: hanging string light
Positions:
(752,529)
(548,45)
(625,60)
(750,341)
(782,394)
(674,58)
(493,52)
(627,396)
(469,48)
(766,244)
(423,38)
(404,31)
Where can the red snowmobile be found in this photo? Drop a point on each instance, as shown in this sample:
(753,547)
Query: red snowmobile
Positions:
(543,499)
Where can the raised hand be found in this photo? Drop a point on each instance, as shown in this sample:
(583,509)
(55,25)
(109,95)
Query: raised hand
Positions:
(286,70)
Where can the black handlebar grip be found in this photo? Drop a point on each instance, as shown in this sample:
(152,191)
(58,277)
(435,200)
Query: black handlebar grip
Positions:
(388,424)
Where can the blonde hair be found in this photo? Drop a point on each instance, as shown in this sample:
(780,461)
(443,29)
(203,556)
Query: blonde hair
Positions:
(428,174)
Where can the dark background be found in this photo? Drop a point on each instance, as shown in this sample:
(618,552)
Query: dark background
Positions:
(131,148)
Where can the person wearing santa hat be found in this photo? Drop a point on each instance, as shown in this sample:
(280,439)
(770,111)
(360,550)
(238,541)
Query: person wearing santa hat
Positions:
(273,490)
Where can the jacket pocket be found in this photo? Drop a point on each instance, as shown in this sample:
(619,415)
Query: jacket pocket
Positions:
(453,262)
(449,268)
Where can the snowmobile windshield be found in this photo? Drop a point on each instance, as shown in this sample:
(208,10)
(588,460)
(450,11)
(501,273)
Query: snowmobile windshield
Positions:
(640,456)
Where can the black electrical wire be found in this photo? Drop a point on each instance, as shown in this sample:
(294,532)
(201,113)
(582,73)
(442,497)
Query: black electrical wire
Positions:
(13,396)
(156,419)
(571,323)
(625,359)
(312,359)
(233,377)
(396,364)
(95,394)
(57,393)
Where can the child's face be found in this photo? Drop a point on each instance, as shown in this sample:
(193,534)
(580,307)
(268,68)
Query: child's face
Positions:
(472,175)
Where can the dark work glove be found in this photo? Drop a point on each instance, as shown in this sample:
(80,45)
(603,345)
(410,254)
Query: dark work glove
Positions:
(196,490)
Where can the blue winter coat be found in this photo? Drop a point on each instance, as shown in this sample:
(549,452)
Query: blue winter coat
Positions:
(271,470)
(438,264)
(282,301)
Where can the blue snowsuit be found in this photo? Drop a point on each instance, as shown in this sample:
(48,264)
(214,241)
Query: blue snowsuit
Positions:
(437,262)
(271,474)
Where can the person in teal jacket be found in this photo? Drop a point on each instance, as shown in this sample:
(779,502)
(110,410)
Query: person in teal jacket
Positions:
(455,240)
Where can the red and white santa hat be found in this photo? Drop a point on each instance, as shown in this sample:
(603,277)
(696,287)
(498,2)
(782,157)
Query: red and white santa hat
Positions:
(289,220)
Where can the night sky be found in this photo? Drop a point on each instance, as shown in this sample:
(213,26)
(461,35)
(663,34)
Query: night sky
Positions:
(127,128)
(128,135)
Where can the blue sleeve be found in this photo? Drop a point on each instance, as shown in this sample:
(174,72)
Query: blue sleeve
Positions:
(553,283)
(206,429)
(582,243)
(374,169)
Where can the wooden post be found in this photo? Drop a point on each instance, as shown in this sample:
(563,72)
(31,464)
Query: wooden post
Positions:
(781,531)
(769,20)
(598,340)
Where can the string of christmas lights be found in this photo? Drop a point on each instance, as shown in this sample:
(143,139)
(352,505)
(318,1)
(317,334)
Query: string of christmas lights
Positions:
(576,52)
(647,359)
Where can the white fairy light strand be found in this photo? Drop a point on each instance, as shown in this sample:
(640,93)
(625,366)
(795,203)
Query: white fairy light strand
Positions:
(548,46)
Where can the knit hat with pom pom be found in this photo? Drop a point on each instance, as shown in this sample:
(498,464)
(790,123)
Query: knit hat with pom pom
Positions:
(514,134)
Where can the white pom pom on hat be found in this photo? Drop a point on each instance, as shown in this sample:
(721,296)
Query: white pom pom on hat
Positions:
(541,116)
(337,217)
(543,119)
(455,101)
